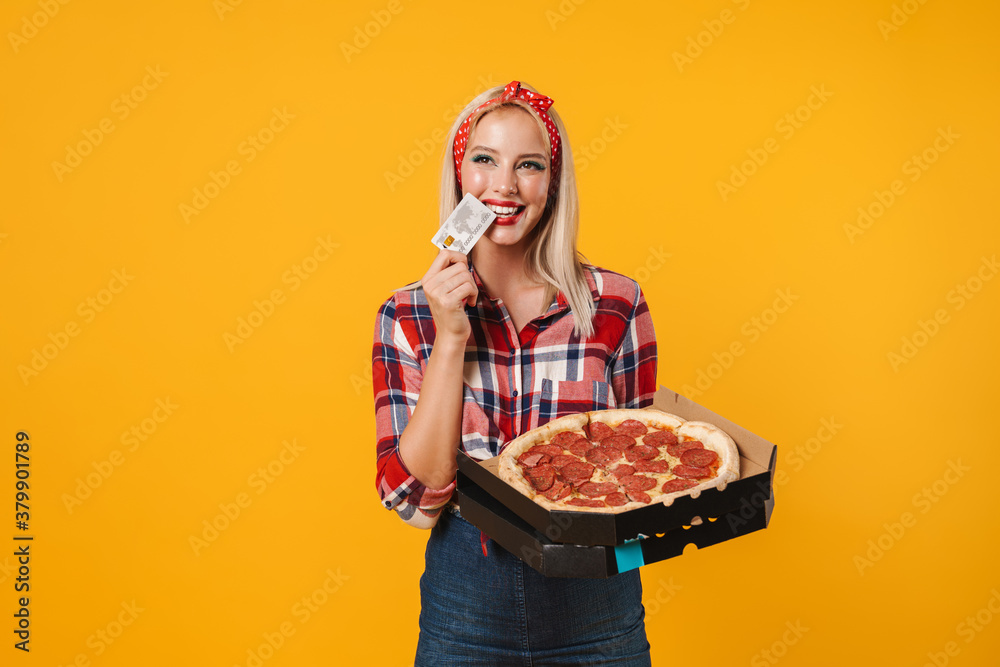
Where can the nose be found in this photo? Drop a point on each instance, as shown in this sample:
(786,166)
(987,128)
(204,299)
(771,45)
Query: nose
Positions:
(505,182)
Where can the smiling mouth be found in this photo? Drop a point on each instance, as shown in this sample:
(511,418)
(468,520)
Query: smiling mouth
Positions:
(505,211)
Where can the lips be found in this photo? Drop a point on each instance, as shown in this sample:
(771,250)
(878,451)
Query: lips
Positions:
(507,212)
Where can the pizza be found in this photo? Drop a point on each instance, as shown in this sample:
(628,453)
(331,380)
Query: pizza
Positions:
(618,460)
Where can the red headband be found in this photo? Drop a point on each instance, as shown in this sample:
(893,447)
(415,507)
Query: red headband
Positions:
(538,103)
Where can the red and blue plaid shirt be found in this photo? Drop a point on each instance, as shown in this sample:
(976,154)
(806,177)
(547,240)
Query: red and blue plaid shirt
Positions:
(513,381)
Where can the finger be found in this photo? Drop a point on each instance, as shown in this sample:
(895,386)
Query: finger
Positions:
(449,276)
(444,259)
(447,284)
(466,293)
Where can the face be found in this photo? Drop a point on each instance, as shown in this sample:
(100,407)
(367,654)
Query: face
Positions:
(506,166)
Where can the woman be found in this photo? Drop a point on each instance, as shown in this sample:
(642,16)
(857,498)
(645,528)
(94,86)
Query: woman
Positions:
(496,344)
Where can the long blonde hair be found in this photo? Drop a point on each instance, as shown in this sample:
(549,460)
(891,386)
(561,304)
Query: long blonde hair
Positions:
(552,257)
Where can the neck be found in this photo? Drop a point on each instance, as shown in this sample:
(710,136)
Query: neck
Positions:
(503,269)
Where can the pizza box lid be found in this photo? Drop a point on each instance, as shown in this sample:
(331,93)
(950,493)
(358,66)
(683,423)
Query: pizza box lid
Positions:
(553,559)
(757,463)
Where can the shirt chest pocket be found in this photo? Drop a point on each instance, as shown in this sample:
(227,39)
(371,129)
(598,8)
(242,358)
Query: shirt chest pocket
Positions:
(558,399)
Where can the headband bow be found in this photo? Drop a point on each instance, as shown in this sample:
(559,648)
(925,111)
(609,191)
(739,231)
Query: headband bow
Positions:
(539,104)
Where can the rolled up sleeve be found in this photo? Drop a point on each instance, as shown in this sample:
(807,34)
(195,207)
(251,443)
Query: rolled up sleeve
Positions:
(396,380)
(633,375)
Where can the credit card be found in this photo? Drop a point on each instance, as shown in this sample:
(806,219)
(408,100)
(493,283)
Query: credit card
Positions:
(464,226)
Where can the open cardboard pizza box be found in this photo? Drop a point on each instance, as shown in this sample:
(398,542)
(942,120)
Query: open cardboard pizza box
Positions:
(588,544)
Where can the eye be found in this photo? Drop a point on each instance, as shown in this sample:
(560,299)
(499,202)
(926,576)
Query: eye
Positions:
(482,159)
(533,165)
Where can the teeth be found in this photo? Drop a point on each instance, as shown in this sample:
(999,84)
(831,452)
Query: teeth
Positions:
(503,210)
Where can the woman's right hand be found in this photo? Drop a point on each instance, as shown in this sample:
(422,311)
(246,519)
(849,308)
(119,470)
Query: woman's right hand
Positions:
(449,286)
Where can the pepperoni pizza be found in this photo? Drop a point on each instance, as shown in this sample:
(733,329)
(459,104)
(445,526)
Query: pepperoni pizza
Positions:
(618,460)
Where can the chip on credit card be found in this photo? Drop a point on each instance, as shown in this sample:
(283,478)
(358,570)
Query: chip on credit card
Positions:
(464,226)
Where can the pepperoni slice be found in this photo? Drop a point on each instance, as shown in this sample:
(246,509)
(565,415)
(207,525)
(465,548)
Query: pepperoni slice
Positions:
(681,447)
(562,460)
(541,477)
(598,431)
(639,452)
(623,471)
(613,452)
(600,456)
(618,441)
(597,489)
(660,438)
(701,458)
(691,472)
(530,459)
(638,496)
(581,447)
(585,502)
(648,466)
(632,427)
(616,499)
(637,483)
(551,450)
(675,485)
(577,471)
(558,491)
(566,438)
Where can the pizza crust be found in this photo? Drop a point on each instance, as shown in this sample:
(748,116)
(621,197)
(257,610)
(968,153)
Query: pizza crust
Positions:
(716,439)
(510,471)
(710,436)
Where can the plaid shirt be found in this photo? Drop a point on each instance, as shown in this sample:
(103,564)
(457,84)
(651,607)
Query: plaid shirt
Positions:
(513,381)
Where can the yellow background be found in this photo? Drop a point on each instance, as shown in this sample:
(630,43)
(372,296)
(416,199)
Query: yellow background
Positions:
(659,136)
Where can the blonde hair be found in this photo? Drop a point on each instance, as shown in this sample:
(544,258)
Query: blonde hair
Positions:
(552,257)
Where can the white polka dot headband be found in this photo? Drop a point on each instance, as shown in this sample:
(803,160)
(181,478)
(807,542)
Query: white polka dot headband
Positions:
(538,103)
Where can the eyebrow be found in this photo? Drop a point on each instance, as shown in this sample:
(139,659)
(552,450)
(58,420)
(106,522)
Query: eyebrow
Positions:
(487,149)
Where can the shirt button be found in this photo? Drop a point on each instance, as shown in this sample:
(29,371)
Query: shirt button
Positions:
(515,393)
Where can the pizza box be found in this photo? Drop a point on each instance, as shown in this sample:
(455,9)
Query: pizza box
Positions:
(564,527)
(553,559)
